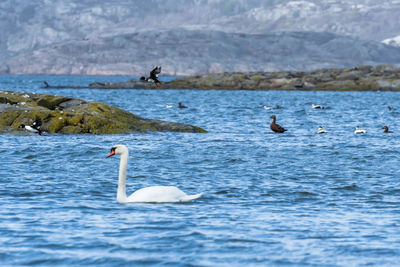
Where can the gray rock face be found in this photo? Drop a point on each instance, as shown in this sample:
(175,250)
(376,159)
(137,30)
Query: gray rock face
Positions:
(193,37)
(184,52)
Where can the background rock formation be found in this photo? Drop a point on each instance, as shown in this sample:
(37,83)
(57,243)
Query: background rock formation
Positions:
(194,37)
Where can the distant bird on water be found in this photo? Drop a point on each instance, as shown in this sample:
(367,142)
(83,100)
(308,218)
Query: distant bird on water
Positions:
(359,131)
(321,130)
(181,106)
(276,127)
(34,127)
(317,106)
(386,129)
(46,84)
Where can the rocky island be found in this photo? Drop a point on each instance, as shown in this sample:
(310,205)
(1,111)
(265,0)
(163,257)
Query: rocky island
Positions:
(362,78)
(75,116)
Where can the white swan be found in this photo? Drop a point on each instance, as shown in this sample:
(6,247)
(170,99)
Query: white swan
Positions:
(155,194)
(359,131)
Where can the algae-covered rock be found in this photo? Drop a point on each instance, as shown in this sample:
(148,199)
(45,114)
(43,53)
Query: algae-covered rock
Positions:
(75,116)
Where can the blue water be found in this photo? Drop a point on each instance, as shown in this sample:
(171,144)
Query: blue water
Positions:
(293,199)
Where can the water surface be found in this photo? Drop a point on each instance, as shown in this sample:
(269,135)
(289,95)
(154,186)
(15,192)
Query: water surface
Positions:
(293,199)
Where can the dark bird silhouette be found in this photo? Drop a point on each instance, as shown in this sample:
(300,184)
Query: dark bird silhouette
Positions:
(46,84)
(386,129)
(181,106)
(154,74)
(276,127)
(34,127)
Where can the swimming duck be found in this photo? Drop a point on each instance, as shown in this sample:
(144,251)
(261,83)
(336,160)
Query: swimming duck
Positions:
(386,129)
(34,127)
(181,106)
(267,107)
(321,130)
(317,106)
(276,127)
(168,106)
(359,131)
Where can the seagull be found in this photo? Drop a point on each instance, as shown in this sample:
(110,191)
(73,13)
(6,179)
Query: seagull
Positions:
(321,130)
(267,107)
(317,106)
(359,131)
(34,127)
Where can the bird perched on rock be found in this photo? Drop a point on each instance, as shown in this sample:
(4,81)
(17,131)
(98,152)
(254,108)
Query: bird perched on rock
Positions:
(34,127)
(276,127)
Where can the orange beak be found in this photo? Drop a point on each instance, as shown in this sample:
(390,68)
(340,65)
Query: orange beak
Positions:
(112,153)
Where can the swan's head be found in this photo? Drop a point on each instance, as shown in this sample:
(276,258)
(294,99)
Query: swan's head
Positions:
(117,150)
(273,117)
(320,128)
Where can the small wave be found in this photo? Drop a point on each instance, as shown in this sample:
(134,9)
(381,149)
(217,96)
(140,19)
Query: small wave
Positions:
(352,187)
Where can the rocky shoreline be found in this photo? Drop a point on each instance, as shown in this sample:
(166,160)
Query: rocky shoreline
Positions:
(362,78)
(76,116)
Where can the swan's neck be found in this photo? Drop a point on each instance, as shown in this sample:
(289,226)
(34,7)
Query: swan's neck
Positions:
(121,193)
(274,120)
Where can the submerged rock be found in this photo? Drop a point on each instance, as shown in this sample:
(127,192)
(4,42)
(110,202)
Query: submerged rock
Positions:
(75,116)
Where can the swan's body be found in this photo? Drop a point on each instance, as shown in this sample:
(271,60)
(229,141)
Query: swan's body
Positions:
(359,131)
(321,130)
(155,194)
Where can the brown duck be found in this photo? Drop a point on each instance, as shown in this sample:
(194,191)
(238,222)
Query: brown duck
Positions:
(386,129)
(276,127)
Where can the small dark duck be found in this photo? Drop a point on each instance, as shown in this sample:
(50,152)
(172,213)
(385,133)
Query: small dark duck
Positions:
(276,127)
(181,106)
(386,129)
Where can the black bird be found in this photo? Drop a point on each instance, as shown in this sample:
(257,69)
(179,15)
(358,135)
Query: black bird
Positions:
(46,84)
(154,74)
(34,127)
(181,106)
(276,127)
(386,129)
